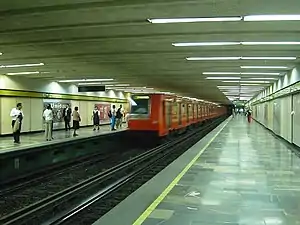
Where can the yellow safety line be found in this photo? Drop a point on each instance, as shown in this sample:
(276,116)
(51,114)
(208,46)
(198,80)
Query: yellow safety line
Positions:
(161,197)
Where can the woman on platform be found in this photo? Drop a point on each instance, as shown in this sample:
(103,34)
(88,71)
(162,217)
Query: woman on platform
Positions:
(96,118)
(76,120)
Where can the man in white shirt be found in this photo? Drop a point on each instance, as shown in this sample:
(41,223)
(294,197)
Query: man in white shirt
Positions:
(48,117)
(17,117)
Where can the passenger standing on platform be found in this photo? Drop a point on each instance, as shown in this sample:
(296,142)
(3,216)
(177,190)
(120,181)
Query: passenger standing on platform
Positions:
(119,117)
(76,120)
(16,123)
(67,117)
(48,117)
(112,116)
(96,118)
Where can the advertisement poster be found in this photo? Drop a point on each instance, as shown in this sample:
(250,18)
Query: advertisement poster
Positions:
(103,109)
(57,107)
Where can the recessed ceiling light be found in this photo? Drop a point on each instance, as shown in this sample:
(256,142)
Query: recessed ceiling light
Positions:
(272,17)
(268,58)
(22,65)
(23,73)
(195,20)
(212,58)
(83,80)
(264,67)
(223,78)
(204,44)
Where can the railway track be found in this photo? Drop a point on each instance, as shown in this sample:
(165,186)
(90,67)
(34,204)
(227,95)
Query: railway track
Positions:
(86,201)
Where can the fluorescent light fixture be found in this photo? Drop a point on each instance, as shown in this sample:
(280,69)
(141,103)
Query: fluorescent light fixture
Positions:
(223,78)
(268,58)
(195,20)
(239,73)
(257,81)
(263,78)
(22,65)
(241,58)
(264,67)
(251,84)
(23,73)
(204,44)
(212,58)
(231,81)
(258,73)
(271,43)
(83,80)
(221,73)
(272,18)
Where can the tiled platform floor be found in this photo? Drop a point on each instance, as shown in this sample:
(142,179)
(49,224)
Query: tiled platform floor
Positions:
(36,139)
(245,177)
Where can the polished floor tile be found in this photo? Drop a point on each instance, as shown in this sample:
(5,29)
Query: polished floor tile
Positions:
(245,177)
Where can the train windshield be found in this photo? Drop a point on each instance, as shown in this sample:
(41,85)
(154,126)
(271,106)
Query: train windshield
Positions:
(140,105)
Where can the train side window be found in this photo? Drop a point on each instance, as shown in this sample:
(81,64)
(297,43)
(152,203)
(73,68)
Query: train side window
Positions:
(141,106)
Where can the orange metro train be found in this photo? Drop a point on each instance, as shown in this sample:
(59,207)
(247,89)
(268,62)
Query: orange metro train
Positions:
(164,114)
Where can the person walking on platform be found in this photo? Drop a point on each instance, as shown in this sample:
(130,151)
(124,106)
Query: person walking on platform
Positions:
(248,114)
(96,118)
(16,123)
(67,117)
(112,116)
(76,120)
(119,117)
(48,117)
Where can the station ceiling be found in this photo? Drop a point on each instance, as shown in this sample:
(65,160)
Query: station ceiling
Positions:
(91,39)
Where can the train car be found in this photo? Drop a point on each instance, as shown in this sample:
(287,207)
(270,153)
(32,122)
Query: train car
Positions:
(161,115)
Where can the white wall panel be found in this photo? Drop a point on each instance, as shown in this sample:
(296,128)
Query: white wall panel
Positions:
(276,116)
(6,106)
(286,120)
(296,120)
(36,115)
(84,113)
(270,116)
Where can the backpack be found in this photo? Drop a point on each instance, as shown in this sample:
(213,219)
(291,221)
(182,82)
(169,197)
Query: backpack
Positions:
(119,114)
(109,114)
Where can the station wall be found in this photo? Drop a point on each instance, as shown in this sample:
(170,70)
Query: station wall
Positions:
(281,115)
(35,94)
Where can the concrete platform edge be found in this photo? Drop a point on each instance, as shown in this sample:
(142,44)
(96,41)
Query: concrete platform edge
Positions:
(134,205)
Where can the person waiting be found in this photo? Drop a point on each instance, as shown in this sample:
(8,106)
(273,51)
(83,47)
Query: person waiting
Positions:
(16,123)
(112,116)
(119,117)
(96,118)
(76,120)
(48,117)
(67,117)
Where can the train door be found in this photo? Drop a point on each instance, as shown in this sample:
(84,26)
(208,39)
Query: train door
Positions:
(188,113)
(167,114)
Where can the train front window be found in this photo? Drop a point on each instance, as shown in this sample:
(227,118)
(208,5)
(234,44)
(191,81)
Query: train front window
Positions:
(140,105)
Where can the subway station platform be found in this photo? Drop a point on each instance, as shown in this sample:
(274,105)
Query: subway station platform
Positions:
(239,174)
(38,139)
